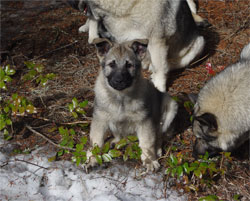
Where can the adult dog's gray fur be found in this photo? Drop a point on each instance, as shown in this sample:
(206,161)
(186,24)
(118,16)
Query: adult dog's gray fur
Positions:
(222,111)
(169,26)
(126,103)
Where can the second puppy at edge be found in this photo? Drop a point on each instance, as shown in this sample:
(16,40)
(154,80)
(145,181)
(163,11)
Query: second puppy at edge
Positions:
(126,103)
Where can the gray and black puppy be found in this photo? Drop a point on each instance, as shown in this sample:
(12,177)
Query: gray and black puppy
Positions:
(222,111)
(126,103)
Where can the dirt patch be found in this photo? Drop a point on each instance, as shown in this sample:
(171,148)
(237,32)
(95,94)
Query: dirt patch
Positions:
(46,32)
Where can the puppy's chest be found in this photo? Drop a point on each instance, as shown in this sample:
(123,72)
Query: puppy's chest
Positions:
(132,111)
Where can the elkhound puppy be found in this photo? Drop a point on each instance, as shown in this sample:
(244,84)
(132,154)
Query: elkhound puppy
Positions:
(126,103)
(222,111)
(169,26)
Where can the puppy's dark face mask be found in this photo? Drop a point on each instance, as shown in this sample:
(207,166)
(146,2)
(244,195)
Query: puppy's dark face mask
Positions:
(121,63)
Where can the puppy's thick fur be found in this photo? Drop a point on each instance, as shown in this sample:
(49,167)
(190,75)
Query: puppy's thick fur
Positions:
(222,111)
(174,40)
(126,103)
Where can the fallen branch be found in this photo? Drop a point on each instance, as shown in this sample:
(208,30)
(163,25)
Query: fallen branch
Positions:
(52,51)
(49,140)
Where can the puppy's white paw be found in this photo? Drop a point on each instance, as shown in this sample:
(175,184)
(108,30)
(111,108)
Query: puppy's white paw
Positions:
(159,81)
(91,160)
(159,152)
(151,166)
(84,28)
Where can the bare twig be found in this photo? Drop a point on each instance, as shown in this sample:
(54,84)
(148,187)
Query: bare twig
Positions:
(6,163)
(49,140)
(52,51)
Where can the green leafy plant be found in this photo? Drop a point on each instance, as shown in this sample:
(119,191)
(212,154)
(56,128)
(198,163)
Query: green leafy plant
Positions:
(16,105)
(204,170)
(35,72)
(209,198)
(79,156)
(67,139)
(128,148)
(77,108)
(5,73)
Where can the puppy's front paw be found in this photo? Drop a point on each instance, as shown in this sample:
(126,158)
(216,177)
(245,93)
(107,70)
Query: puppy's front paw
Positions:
(151,165)
(91,160)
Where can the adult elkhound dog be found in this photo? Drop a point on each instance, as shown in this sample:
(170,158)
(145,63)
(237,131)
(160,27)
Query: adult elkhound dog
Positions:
(126,103)
(222,111)
(174,40)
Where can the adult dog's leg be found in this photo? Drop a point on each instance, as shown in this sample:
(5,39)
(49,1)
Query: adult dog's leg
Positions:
(158,52)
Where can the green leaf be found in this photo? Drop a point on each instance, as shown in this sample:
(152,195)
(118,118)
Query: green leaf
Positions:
(50,76)
(78,161)
(2,74)
(185,167)
(72,131)
(14,96)
(62,130)
(99,159)
(174,160)
(39,68)
(74,114)
(30,109)
(96,150)
(29,64)
(106,147)
(7,78)
(6,109)
(2,85)
(122,143)
(106,158)
(10,72)
(179,171)
(198,173)
(2,124)
(132,138)
(60,153)
(51,159)
(114,153)
(80,110)
(75,102)
(84,140)
(236,197)
(209,198)
(168,171)
(8,122)
(71,107)
(83,104)
(79,147)
(21,110)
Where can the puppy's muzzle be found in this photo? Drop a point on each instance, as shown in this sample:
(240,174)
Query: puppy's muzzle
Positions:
(120,80)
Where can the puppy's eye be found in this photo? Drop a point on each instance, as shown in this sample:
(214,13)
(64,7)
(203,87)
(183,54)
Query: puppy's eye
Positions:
(128,65)
(112,64)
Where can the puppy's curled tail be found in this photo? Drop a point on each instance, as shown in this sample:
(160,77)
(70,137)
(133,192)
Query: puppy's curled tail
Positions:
(169,113)
(245,53)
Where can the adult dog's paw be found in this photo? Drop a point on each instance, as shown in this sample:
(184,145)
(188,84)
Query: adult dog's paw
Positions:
(159,80)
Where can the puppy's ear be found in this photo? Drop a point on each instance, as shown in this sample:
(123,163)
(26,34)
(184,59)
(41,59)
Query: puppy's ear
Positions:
(208,124)
(102,45)
(139,47)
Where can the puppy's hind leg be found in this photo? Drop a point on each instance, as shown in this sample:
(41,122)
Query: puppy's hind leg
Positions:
(93,31)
